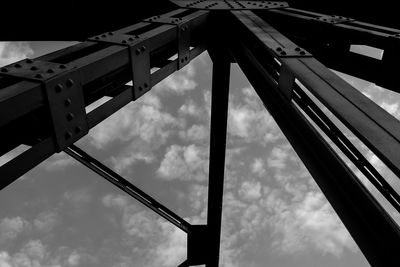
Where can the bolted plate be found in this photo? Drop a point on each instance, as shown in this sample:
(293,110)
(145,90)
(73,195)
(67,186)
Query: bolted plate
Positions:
(230,4)
(333,19)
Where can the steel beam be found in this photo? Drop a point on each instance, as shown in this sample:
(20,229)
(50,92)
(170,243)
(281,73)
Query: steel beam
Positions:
(374,231)
(101,68)
(123,184)
(329,38)
(219,114)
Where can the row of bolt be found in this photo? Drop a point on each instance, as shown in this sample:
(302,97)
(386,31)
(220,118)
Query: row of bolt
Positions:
(67,103)
(195,3)
(34,68)
(297,49)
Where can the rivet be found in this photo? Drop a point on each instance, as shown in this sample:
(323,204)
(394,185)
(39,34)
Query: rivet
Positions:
(103,35)
(124,41)
(70,82)
(34,68)
(29,61)
(62,66)
(143,48)
(145,85)
(283,53)
(182,60)
(68,135)
(50,71)
(279,49)
(17,65)
(78,129)
(67,102)
(297,49)
(137,52)
(97,38)
(111,33)
(302,53)
(70,116)
(140,88)
(4,70)
(130,39)
(39,76)
(59,88)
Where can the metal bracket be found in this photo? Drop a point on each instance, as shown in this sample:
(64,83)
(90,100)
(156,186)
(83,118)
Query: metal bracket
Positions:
(333,19)
(230,4)
(139,55)
(183,30)
(197,245)
(64,93)
(283,52)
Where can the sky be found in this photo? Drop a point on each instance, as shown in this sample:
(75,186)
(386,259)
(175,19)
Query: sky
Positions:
(274,214)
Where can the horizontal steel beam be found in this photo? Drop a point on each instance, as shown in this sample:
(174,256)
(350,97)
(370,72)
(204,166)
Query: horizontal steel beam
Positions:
(104,67)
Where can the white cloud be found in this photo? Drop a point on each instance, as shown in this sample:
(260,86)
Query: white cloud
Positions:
(184,163)
(257,167)
(10,228)
(115,201)
(249,120)
(35,254)
(278,158)
(310,223)
(179,82)
(250,190)
(195,133)
(46,221)
(14,51)
(58,161)
(190,108)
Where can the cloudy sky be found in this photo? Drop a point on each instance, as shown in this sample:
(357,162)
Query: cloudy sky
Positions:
(62,214)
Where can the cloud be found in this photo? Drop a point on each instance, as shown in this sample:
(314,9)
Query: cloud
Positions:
(257,167)
(58,162)
(46,221)
(153,241)
(248,119)
(179,82)
(115,201)
(14,51)
(184,163)
(278,158)
(35,254)
(196,133)
(10,228)
(310,223)
(250,190)
(190,108)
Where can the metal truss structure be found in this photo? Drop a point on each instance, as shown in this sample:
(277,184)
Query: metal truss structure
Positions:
(285,53)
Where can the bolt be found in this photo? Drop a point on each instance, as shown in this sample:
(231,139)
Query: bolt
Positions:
(143,48)
(67,102)
(34,68)
(103,35)
(70,82)
(97,38)
(29,61)
(39,76)
(4,70)
(297,49)
(124,41)
(140,88)
(67,135)
(279,49)
(130,39)
(302,53)
(59,88)
(145,85)
(78,129)
(62,66)
(50,71)
(70,116)
(137,52)
(283,53)
(18,65)
(110,33)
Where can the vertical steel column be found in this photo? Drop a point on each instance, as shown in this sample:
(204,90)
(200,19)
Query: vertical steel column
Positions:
(219,114)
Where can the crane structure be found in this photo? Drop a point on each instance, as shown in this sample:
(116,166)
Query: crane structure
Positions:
(285,49)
